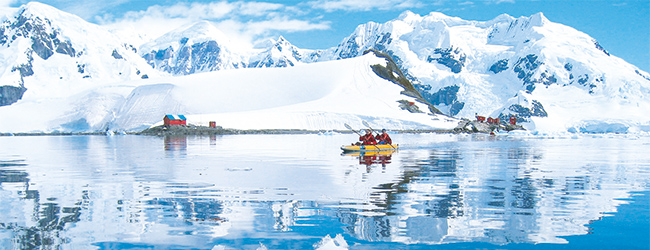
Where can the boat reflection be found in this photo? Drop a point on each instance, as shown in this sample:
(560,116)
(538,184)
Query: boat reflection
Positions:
(373,157)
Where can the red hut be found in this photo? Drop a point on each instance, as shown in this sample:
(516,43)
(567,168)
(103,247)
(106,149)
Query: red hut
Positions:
(513,120)
(174,120)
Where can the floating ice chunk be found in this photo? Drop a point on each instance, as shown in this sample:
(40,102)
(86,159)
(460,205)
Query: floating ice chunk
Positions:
(332,244)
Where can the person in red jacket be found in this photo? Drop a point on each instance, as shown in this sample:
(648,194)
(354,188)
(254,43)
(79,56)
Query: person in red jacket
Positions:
(383,138)
(368,138)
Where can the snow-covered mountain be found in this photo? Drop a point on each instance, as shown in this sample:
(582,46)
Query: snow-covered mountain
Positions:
(280,53)
(76,76)
(47,53)
(540,71)
(199,47)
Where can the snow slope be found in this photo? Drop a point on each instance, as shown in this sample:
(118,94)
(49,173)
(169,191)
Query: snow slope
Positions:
(318,96)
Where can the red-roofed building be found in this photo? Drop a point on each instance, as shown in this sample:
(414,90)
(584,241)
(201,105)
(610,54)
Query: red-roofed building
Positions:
(174,120)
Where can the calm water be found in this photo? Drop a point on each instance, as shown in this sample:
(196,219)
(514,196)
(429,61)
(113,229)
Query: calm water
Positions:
(300,192)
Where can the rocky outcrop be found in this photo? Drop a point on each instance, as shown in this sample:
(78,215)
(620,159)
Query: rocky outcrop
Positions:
(392,72)
(526,69)
(10,94)
(499,66)
(451,57)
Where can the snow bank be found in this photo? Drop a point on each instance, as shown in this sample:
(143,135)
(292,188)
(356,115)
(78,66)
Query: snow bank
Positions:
(318,96)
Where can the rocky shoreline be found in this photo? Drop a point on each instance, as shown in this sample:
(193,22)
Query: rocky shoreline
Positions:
(465,126)
(202,130)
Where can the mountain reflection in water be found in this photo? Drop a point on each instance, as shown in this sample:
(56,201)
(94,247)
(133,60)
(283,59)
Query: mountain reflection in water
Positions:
(290,191)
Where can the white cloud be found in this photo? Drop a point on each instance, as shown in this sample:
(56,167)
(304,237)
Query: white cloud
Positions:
(286,24)
(363,5)
(500,1)
(196,11)
(6,3)
(243,22)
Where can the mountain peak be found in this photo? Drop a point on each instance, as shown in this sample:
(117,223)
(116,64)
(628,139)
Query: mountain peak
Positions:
(47,11)
(538,19)
(191,33)
(200,30)
(408,15)
(193,48)
(38,7)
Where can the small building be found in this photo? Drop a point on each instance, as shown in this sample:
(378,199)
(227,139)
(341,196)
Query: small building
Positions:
(174,120)
(513,120)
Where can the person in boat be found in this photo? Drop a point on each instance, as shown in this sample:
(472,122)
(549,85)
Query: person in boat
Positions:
(383,138)
(368,138)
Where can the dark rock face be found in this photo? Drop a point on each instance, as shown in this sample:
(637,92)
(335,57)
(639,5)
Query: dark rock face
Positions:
(351,48)
(642,75)
(10,94)
(526,68)
(523,113)
(116,55)
(454,59)
(25,69)
(499,66)
(268,62)
(447,96)
(393,73)
(568,67)
(599,47)
(282,45)
(45,40)
(409,106)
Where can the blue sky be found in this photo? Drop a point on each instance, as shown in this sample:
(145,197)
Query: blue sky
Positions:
(620,26)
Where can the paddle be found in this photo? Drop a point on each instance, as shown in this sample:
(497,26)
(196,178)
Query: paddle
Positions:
(350,128)
(368,125)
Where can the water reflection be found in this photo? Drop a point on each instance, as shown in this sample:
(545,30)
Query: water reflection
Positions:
(197,192)
(175,143)
(45,228)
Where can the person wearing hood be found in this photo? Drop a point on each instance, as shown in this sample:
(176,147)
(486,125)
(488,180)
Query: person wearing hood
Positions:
(383,138)
(368,138)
